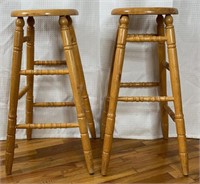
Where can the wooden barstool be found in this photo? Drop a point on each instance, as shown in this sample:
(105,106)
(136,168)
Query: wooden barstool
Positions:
(74,69)
(162,36)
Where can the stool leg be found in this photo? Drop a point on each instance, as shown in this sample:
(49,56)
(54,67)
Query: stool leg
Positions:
(114,91)
(88,111)
(176,90)
(30,78)
(107,100)
(73,74)
(14,91)
(162,69)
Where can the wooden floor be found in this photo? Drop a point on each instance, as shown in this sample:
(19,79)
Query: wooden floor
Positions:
(45,161)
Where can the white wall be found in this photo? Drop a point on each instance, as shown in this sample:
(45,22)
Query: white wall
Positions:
(96,29)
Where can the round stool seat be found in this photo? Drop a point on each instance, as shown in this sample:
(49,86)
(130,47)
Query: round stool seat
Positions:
(51,12)
(144,11)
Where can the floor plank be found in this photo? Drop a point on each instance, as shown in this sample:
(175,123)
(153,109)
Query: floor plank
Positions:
(52,161)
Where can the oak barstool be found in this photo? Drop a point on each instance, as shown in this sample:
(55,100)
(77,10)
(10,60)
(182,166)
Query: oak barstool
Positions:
(164,34)
(74,69)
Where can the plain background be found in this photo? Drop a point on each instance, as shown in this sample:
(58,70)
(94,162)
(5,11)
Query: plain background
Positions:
(96,30)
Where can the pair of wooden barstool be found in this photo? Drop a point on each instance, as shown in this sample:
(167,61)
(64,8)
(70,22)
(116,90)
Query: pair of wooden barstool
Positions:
(75,71)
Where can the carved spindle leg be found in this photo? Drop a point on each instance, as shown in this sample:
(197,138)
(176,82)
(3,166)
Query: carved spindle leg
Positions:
(88,111)
(14,91)
(73,74)
(30,79)
(107,100)
(162,70)
(176,90)
(114,91)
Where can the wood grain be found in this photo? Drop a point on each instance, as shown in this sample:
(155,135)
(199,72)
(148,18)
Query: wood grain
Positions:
(176,91)
(138,84)
(145,98)
(14,92)
(81,79)
(71,61)
(53,104)
(145,38)
(47,125)
(47,12)
(144,11)
(162,76)
(44,72)
(30,78)
(161,37)
(132,161)
(114,91)
(81,100)
(50,63)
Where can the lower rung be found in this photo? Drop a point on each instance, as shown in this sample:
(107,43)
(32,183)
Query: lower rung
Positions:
(138,84)
(50,63)
(47,125)
(53,104)
(145,38)
(145,99)
(44,72)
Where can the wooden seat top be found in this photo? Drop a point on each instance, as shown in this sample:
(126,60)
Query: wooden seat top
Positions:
(47,12)
(144,11)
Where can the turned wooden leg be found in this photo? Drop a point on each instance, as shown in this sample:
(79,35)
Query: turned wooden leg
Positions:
(107,100)
(30,78)
(114,91)
(176,90)
(84,94)
(73,74)
(162,71)
(14,91)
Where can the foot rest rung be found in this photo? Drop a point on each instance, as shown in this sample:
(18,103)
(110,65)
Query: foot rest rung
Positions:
(145,38)
(50,63)
(53,104)
(138,84)
(44,72)
(145,98)
(47,125)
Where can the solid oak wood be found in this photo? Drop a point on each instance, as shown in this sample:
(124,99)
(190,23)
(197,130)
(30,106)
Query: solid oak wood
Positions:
(112,97)
(81,81)
(145,38)
(61,161)
(138,84)
(107,99)
(53,104)
(144,11)
(50,63)
(81,100)
(176,91)
(169,111)
(71,61)
(162,76)
(114,91)
(47,125)
(44,72)
(166,65)
(47,12)
(23,91)
(14,91)
(26,38)
(30,78)
(145,98)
